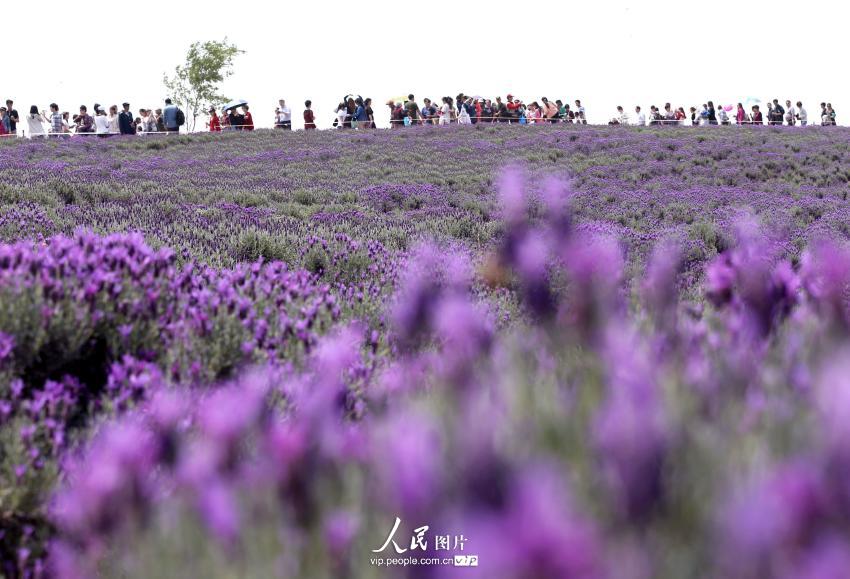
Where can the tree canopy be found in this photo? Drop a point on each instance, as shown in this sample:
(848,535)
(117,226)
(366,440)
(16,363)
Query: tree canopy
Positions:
(195,83)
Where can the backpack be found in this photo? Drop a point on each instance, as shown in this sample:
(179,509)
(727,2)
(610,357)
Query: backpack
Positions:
(181,118)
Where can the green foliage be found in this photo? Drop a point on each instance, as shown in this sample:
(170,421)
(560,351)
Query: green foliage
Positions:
(195,83)
(254,244)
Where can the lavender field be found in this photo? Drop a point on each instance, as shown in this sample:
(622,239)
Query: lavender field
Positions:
(565,351)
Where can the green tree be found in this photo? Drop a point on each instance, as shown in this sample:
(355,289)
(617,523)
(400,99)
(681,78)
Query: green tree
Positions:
(195,83)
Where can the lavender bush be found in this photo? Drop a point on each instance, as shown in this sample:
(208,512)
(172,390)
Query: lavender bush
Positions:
(636,372)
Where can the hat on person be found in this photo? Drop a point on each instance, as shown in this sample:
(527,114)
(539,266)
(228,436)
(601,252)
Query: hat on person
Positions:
(510,96)
(125,104)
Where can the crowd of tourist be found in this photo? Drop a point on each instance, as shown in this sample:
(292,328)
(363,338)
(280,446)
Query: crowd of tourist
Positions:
(355,112)
(467,110)
(709,114)
(105,122)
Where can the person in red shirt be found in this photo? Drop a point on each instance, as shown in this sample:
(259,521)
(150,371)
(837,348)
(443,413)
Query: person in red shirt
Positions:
(513,107)
(248,123)
(3,131)
(215,123)
(309,118)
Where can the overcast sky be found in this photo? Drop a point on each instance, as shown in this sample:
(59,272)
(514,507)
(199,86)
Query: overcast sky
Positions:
(605,53)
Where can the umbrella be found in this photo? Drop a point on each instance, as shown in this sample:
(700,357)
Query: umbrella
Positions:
(728,108)
(234,104)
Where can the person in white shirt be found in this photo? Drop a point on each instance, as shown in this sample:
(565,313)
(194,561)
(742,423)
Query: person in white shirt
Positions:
(463,117)
(790,114)
(341,113)
(35,128)
(101,122)
(580,118)
(640,118)
(148,121)
(284,116)
(114,126)
(722,115)
(621,119)
(802,115)
(446,112)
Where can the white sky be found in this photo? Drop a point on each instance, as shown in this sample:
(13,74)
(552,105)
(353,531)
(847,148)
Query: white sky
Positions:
(603,52)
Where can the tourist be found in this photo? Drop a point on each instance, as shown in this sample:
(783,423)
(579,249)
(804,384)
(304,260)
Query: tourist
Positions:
(680,116)
(412,109)
(580,118)
(145,124)
(350,109)
(57,125)
(427,112)
(126,123)
(640,117)
(339,122)
(284,116)
(309,118)
(446,112)
(775,113)
(370,113)
(722,115)
(533,114)
(214,123)
(756,118)
(11,117)
(84,121)
(3,122)
(712,113)
(830,114)
(823,116)
(740,115)
(620,118)
(236,119)
(550,111)
(488,111)
(361,119)
(114,124)
(66,125)
(247,119)
(35,128)
(668,117)
(54,120)
(790,114)
(802,115)
(101,121)
(514,108)
(159,120)
(463,117)
(169,117)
